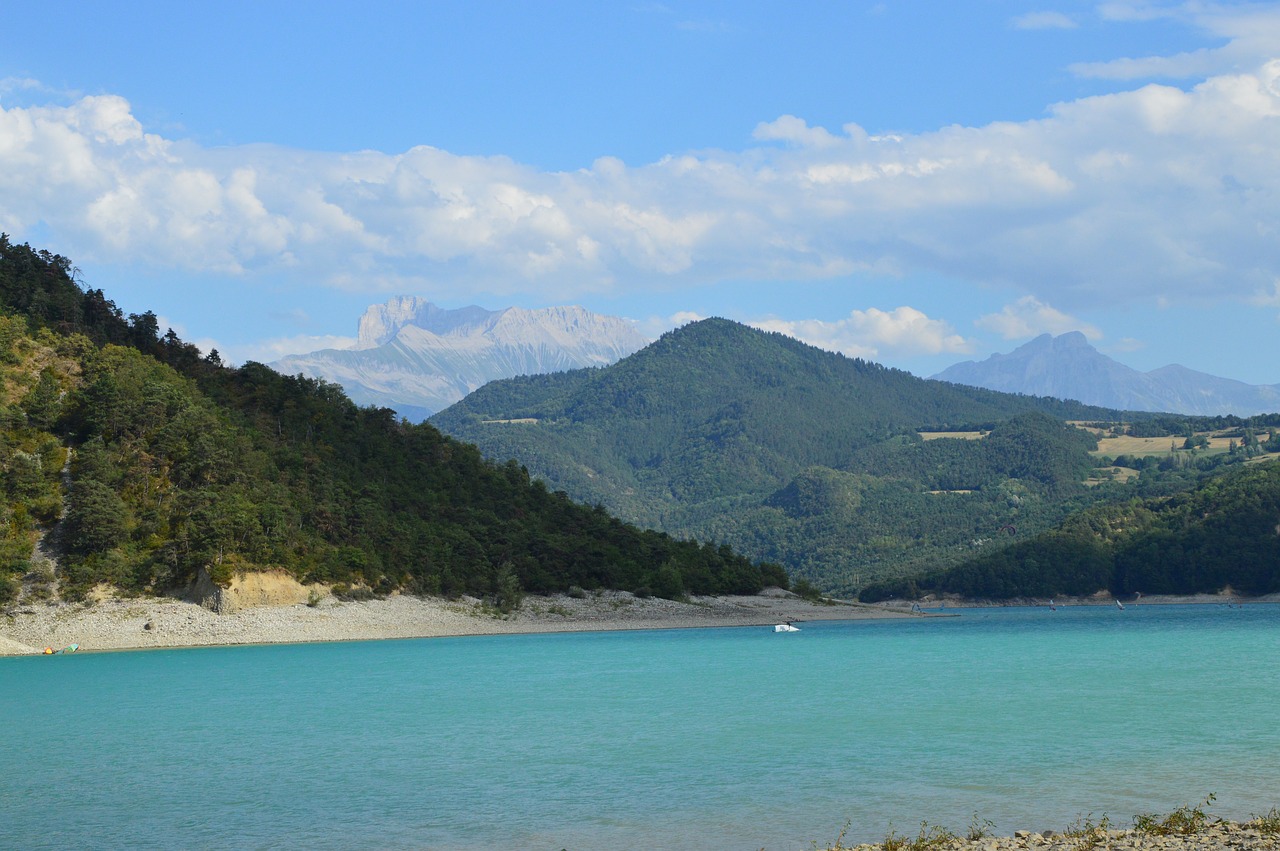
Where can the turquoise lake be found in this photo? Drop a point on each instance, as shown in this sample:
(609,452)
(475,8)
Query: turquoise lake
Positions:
(677,739)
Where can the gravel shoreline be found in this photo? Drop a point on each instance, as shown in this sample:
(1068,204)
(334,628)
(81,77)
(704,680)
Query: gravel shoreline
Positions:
(1217,835)
(141,623)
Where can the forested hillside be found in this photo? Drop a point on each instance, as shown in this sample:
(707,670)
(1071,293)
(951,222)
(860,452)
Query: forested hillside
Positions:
(1225,532)
(165,462)
(790,453)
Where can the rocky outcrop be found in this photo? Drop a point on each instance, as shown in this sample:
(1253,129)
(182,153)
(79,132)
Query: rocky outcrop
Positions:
(417,359)
(247,590)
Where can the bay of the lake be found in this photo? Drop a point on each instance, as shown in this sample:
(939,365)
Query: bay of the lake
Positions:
(735,738)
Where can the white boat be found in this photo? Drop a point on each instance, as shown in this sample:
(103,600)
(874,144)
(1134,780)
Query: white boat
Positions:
(786,627)
(1119,605)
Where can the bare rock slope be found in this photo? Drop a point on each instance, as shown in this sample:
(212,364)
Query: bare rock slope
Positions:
(417,358)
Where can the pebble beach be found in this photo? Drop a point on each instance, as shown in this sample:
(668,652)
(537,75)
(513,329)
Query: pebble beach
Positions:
(142,623)
(1258,834)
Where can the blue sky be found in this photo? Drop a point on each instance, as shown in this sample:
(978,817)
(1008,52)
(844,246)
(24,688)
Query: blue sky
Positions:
(914,182)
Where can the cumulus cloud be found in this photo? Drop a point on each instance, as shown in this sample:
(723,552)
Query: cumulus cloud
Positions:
(1044,21)
(1030,317)
(868,333)
(788,128)
(1158,192)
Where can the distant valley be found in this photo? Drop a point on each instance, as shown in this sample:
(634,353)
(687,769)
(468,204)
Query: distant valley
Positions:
(417,358)
(1067,367)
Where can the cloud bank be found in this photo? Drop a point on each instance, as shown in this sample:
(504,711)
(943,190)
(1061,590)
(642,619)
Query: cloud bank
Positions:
(1154,193)
(870,333)
(1029,317)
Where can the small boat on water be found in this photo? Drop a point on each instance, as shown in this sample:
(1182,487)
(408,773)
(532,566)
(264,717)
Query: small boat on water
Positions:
(1119,605)
(786,627)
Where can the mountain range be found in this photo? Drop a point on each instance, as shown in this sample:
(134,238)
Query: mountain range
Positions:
(417,358)
(1068,367)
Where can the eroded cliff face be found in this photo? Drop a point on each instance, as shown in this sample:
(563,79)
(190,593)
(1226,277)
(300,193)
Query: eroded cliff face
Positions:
(251,589)
(418,359)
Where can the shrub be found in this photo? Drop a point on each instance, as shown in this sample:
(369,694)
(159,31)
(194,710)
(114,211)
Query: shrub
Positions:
(806,589)
(352,593)
(979,828)
(9,588)
(1184,821)
(1267,825)
(509,596)
(1088,834)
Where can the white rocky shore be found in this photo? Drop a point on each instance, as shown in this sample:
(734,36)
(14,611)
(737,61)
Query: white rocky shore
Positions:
(1262,833)
(269,610)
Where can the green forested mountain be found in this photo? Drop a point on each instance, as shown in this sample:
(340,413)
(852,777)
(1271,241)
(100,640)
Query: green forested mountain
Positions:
(790,453)
(1224,532)
(162,462)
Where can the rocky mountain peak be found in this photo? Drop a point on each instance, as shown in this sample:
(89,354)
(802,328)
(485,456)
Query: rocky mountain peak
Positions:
(418,358)
(1069,367)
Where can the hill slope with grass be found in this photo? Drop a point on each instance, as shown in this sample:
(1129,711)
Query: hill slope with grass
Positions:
(133,460)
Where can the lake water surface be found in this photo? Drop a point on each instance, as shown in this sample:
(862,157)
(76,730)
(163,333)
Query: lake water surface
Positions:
(711,738)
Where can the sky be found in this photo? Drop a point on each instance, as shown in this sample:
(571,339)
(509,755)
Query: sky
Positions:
(913,182)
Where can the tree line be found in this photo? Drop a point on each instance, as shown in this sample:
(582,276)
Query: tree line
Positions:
(179,464)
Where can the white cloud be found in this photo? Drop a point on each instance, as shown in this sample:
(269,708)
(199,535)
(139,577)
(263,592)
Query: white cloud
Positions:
(655,326)
(20,84)
(868,333)
(267,351)
(1120,198)
(1030,317)
(1251,32)
(1268,299)
(1044,21)
(1125,345)
(788,128)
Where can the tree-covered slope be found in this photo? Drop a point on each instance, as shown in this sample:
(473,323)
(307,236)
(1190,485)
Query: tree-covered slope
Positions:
(707,432)
(174,464)
(1224,532)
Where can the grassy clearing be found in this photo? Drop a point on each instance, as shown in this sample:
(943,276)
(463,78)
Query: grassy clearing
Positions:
(955,435)
(1112,474)
(1126,445)
(1158,446)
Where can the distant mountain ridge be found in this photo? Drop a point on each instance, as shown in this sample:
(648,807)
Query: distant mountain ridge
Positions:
(417,358)
(1068,367)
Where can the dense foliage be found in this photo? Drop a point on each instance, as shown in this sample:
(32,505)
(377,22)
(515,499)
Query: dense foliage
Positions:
(790,453)
(178,464)
(1224,532)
